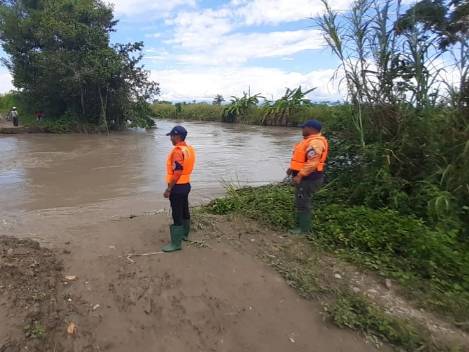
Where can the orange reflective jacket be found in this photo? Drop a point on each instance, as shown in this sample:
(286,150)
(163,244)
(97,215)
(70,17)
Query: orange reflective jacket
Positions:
(187,167)
(299,153)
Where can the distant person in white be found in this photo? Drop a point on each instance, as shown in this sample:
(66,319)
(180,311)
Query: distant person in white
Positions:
(14,116)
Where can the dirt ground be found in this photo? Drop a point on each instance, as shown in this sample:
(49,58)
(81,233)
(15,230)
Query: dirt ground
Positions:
(29,277)
(4,123)
(6,127)
(211,296)
(220,293)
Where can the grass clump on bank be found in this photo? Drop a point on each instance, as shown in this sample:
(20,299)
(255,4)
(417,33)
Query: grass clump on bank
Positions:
(433,264)
(355,312)
(64,124)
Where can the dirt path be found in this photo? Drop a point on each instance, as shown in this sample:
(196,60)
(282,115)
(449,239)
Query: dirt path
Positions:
(209,297)
(6,127)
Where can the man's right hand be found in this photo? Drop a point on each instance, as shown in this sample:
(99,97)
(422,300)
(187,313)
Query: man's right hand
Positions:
(289,172)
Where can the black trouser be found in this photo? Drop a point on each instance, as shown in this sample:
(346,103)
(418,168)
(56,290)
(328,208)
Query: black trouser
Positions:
(15,121)
(179,199)
(304,193)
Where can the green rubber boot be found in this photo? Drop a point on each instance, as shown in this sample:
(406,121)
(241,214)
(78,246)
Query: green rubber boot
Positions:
(177,233)
(304,224)
(187,229)
(296,230)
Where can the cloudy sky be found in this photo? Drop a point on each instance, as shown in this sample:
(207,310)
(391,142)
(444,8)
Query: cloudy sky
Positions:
(198,48)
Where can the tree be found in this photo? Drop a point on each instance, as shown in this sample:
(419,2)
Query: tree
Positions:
(62,62)
(449,21)
(240,106)
(282,109)
(218,100)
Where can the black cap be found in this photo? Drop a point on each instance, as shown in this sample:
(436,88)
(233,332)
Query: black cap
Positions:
(178,131)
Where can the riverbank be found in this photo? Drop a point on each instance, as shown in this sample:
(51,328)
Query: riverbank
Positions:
(30,125)
(430,273)
(253,116)
(115,291)
(22,130)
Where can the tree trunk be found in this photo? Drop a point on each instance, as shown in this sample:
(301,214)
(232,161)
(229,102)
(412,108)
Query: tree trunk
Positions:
(82,100)
(103,101)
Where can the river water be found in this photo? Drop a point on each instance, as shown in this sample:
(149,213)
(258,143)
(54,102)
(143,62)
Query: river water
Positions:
(42,171)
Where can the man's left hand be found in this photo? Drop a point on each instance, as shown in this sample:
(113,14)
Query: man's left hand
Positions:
(167,193)
(297,179)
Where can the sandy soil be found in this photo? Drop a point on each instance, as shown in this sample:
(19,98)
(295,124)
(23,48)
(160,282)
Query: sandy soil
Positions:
(212,296)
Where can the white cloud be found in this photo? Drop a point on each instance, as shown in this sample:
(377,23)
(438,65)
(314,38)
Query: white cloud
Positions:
(240,48)
(154,54)
(204,84)
(200,30)
(148,8)
(5,81)
(210,37)
(256,12)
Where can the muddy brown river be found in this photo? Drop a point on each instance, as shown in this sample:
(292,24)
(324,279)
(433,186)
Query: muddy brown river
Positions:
(42,171)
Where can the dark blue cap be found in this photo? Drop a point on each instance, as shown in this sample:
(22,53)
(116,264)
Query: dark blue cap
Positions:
(178,131)
(312,124)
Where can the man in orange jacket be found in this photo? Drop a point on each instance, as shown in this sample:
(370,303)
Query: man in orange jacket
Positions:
(179,167)
(307,168)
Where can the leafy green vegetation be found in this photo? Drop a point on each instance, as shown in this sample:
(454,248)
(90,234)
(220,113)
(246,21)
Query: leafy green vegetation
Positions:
(240,107)
(35,330)
(7,101)
(280,111)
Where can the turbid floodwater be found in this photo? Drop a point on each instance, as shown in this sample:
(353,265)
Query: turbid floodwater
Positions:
(44,171)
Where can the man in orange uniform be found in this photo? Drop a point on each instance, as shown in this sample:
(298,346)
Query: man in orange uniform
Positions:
(307,168)
(179,167)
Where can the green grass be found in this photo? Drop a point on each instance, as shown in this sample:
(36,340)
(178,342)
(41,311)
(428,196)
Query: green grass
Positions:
(35,330)
(355,312)
(432,264)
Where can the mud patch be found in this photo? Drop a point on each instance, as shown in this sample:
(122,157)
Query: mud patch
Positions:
(29,278)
